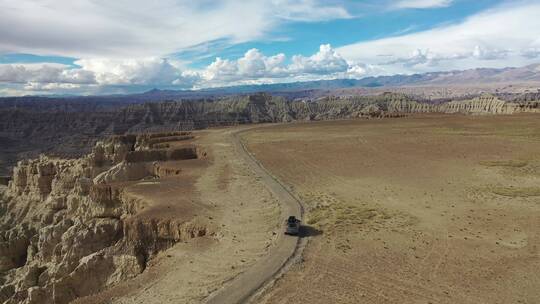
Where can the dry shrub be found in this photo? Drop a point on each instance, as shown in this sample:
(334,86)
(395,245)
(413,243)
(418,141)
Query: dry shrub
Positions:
(516,191)
(504,163)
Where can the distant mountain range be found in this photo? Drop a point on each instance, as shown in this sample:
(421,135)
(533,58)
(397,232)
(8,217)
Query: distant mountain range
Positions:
(483,76)
(475,77)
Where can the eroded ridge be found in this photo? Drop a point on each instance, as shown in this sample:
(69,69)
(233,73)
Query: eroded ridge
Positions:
(71,227)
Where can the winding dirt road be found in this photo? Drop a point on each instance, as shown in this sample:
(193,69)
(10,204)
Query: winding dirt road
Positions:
(243,287)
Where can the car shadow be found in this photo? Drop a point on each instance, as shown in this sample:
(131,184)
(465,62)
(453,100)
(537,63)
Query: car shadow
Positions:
(307,231)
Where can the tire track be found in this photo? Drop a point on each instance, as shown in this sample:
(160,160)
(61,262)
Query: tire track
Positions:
(248,285)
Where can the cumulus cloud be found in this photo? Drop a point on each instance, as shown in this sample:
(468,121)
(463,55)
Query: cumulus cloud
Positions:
(428,58)
(489,54)
(95,73)
(531,53)
(326,61)
(252,67)
(44,73)
(145,71)
(504,36)
(325,64)
(41,87)
(422,3)
(255,64)
(418,57)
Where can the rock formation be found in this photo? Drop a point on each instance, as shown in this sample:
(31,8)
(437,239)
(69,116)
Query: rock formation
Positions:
(65,131)
(68,228)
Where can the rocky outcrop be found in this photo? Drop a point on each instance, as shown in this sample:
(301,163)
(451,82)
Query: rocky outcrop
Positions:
(50,228)
(70,132)
(162,155)
(487,104)
(138,164)
(124,171)
(68,228)
(149,236)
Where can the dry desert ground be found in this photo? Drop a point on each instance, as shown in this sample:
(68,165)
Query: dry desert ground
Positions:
(426,209)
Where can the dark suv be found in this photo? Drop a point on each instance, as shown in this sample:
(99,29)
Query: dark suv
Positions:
(292,225)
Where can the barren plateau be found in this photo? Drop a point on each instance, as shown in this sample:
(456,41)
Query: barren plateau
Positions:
(427,209)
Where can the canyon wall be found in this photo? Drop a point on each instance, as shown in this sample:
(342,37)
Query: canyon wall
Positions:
(68,228)
(64,131)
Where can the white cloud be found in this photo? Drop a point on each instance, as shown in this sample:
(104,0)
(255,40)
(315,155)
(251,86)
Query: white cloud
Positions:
(253,67)
(139,28)
(255,64)
(13,91)
(426,58)
(144,71)
(13,73)
(308,10)
(44,73)
(38,86)
(489,54)
(507,33)
(417,57)
(97,72)
(326,61)
(531,53)
(422,3)
(221,69)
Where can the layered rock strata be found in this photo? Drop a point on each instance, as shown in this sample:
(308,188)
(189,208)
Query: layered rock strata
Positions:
(68,228)
(70,129)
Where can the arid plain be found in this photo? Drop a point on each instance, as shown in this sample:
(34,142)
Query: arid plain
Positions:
(425,209)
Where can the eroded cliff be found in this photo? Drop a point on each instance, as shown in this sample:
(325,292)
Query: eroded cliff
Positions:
(69,228)
(64,131)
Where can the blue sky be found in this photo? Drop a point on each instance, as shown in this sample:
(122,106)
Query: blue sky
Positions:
(305,37)
(97,47)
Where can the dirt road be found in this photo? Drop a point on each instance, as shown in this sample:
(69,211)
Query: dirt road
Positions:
(245,207)
(244,286)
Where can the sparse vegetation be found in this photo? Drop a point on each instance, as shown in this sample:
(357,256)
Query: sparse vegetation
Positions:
(331,214)
(516,191)
(505,163)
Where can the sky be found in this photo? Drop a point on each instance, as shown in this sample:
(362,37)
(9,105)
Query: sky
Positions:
(124,46)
